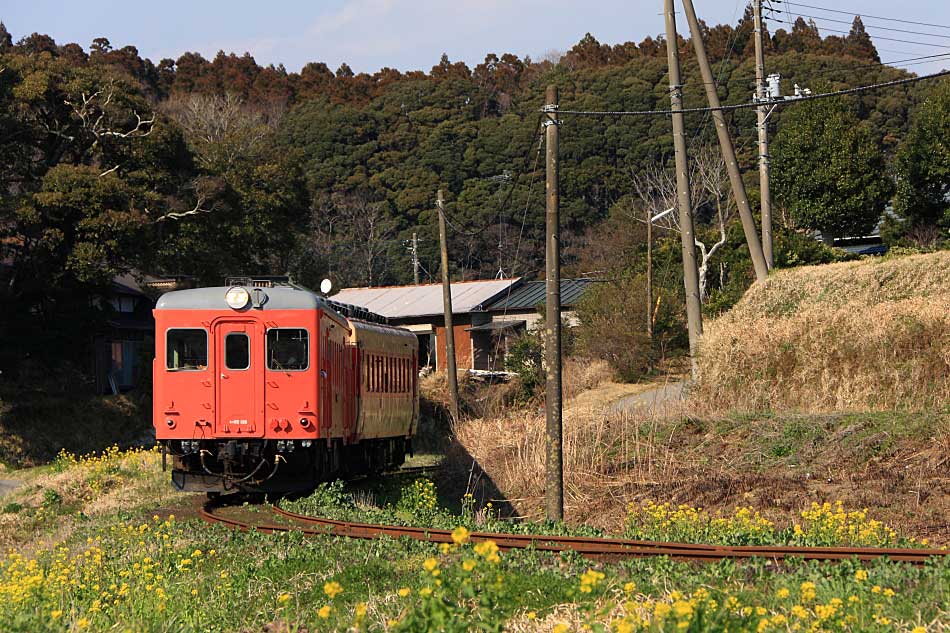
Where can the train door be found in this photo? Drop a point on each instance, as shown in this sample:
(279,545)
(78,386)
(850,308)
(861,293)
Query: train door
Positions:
(235,368)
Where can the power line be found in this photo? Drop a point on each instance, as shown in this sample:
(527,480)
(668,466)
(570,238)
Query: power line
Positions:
(873,17)
(742,106)
(881,37)
(867,26)
(514,185)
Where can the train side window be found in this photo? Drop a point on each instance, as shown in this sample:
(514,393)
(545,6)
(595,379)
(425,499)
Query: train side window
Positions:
(186,349)
(288,349)
(237,351)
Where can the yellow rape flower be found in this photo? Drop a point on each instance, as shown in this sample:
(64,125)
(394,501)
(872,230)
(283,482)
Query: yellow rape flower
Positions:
(324,611)
(861,575)
(57,614)
(468,565)
(460,535)
(430,564)
(425,592)
(332,589)
(282,598)
(405,591)
(560,628)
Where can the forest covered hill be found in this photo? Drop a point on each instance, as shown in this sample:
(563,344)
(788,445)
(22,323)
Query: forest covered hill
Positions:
(111,162)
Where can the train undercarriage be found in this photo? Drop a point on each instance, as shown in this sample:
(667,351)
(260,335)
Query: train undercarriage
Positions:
(263,465)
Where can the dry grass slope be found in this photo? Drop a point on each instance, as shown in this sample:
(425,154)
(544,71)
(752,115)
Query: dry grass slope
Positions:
(870,334)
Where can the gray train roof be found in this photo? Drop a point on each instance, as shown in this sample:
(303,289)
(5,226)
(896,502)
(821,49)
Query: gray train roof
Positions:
(277,298)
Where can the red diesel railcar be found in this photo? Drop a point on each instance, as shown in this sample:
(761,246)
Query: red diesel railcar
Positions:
(261,387)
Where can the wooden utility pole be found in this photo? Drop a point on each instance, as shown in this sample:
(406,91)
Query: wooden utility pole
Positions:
(554,475)
(694,313)
(725,144)
(415,259)
(650,273)
(761,115)
(447,308)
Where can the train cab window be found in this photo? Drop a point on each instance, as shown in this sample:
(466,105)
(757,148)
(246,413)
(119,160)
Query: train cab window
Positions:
(186,350)
(288,349)
(237,351)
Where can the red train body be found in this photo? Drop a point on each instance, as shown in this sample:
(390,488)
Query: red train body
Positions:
(276,389)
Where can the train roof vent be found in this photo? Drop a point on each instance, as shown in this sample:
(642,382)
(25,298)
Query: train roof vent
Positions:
(261,281)
(357,312)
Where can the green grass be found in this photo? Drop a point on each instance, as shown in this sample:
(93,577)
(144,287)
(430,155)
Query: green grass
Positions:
(123,569)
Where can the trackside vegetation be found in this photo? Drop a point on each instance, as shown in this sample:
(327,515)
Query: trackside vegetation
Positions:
(154,570)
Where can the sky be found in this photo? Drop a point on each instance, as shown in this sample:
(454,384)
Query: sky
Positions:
(413,34)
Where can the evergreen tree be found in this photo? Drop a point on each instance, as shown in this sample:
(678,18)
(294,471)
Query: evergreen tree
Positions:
(859,42)
(829,170)
(923,163)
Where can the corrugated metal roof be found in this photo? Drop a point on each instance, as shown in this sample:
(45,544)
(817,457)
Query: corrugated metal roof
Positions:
(425,300)
(531,293)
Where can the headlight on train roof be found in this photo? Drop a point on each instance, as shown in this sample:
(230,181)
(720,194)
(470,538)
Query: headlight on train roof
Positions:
(237,297)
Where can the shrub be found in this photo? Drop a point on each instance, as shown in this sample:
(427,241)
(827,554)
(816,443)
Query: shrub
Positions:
(613,326)
(525,357)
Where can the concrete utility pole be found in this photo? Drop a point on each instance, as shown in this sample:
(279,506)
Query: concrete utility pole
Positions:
(694,312)
(415,259)
(725,144)
(554,475)
(447,308)
(761,115)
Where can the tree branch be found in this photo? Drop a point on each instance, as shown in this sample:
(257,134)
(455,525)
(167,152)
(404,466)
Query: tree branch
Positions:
(177,215)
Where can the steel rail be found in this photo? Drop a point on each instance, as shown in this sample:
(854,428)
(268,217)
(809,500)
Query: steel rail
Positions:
(600,548)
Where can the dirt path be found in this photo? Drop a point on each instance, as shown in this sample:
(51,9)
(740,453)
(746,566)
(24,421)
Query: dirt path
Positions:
(7,485)
(651,398)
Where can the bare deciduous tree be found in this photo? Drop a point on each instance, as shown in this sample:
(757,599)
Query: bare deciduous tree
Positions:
(655,187)
(93,112)
(354,232)
(223,128)
(714,179)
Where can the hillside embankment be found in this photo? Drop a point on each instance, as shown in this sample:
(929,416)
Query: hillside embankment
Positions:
(872,334)
(826,383)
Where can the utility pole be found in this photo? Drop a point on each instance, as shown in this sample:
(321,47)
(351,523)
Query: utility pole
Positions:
(728,150)
(447,308)
(650,273)
(694,312)
(415,259)
(554,472)
(761,115)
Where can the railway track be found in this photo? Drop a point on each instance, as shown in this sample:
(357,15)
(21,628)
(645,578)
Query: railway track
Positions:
(597,548)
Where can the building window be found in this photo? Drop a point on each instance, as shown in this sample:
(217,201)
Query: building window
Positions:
(186,350)
(237,351)
(122,304)
(288,349)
